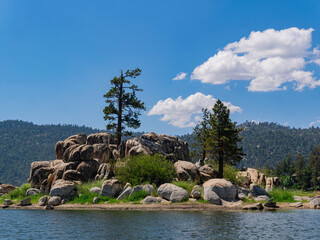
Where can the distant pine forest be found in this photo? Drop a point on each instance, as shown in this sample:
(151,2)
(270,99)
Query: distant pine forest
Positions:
(22,143)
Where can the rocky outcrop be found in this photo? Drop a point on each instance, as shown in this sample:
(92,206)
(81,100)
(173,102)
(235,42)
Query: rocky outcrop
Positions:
(222,187)
(61,146)
(7,202)
(207,172)
(78,152)
(111,188)
(125,193)
(272,182)
(6,188)
(101,138)
(172,192)
(172,148)
(187,171)
(105,171)
(251,175)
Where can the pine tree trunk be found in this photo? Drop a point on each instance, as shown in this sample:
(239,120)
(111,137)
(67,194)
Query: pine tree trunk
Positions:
(220,159)
(120,112)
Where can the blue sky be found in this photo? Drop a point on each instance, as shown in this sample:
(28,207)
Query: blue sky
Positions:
(57,59)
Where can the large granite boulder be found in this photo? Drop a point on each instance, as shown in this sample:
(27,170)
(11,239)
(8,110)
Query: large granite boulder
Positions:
(222,187)
(257,191)
(64,189)
(272,182)
(187,171)
(211,196)
(172,192)
(314,203)
(78,152)
(148,188)
(207,172)
(32,191)
(150,143)
(25,202)
(88,170)
(72,175)
(61,146)
(102,152)
(111,188)
(101,138)
(105,171)
(43,201)
(125,193)
(6,188)
(150,200)
(54,201)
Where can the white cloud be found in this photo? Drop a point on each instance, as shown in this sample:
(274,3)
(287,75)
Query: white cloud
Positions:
(268,59)
(314,123)
(186,112)
(180,76)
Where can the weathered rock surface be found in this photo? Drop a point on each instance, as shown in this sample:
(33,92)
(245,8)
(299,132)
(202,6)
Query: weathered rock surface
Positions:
(61,146)
(111,188)
(196,192)
(187,171)
(258,191)
(125,193)
(148,188)
(150,200)
(25,202)
(270,203)
(172,192)
(63,189)
(150,143)
(105,171)
(102,152)
(78,152)
(296,204)
(222,187)
(6,188)
(101,138)
(54,201)
(256,206)
(207,172)
(211,196)
(252,175)
(95,190)
(314,203)
(43,201)
(32,191)
(261,198)
(241,196)
(272,182)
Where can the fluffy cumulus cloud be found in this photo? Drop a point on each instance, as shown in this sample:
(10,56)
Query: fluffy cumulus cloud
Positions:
(268,59)
(186,112)
(314,123)
(180,76)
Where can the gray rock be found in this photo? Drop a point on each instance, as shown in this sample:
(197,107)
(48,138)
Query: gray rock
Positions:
(256,206)
(172,192)
(211,196)
(314,203)
(241,196)
(125,193)
(43,201)
(95,190)
(243,190)
(63,189)
(187,171)
(111,188)
(262,198)
(7,202)
(195,194)
(150,199)
(296,204)
(258,191)
(25,202)
(297,198)
(223,188)
(148,188)
(32,191)
(96,200)
(54,201)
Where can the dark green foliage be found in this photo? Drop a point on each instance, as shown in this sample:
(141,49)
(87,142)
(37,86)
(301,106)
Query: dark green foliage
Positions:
(314,164)
(200,132)
(281,195)
(145,169)
(123,106)
(22,143)
(218,137)
(20,192)
(285,168)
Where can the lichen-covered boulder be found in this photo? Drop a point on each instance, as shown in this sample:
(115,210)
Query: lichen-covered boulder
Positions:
(88,170)
(172,192)
(222,187)
(187,171)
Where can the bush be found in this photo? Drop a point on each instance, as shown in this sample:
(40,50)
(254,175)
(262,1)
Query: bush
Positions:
(20,192)
(229,172)
(281,195)
(145,169)
(84,188)
(187,185)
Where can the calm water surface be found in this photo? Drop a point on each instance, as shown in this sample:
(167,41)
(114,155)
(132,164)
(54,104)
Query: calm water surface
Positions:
(38,224)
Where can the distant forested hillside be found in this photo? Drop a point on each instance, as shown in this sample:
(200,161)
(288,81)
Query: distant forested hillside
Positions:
(270,143)
(22,143)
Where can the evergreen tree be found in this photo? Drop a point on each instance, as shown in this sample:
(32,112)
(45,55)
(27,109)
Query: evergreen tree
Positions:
(123,107)
(200,131)
(314,163)
(299,168)
(222,137)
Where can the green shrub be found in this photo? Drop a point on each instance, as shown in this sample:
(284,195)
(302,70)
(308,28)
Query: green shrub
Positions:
(229,172)
(281,195)
(84,188)
(187,185)
(145,169)
(20,192)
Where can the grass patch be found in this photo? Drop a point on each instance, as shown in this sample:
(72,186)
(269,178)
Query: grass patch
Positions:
(87,198)
(187,185)
(20,192)
(281,195)
(137,196)
(202,201)
(84,188)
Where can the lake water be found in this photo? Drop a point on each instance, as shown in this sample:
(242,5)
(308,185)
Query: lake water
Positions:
(39,224)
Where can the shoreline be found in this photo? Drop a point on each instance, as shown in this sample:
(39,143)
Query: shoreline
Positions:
(187,206)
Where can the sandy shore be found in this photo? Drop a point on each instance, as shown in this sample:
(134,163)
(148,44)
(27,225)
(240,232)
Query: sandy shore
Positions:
(187,206)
